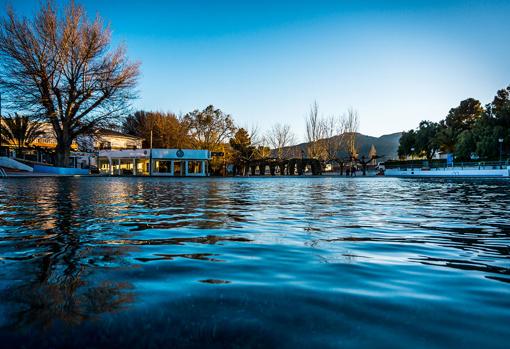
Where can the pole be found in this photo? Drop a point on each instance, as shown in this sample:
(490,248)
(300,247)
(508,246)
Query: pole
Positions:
(150,157)
(224,163)
(500,150)
(412,159)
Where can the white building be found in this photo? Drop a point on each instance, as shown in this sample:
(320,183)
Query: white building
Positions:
(104,139)
(165,162)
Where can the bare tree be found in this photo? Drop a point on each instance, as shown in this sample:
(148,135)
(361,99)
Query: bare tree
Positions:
(328,137)
(314,132)
(60,67)
(334,141)
(255,135)
(279,137)
(263,148)
(351,130)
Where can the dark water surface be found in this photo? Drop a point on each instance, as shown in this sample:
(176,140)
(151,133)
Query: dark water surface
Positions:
(255,262)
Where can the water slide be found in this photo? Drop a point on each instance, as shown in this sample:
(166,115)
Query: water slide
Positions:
(10,163)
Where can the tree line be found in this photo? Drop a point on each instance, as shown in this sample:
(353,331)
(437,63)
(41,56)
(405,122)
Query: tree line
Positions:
(470,131)
(214,130)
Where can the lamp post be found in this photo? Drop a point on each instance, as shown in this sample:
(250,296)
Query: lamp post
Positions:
(412,158)
(500,150)
(225,163)
(150,156)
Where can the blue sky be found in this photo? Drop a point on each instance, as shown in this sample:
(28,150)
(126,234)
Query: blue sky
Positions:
(396,62)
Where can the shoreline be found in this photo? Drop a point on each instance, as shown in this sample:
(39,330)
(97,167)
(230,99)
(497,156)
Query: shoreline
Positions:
(407,176)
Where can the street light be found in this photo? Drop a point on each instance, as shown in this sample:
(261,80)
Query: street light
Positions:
(412,158)
(150,156)
(500,149)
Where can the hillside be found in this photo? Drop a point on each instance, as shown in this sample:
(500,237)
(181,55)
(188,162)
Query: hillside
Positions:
(386,145)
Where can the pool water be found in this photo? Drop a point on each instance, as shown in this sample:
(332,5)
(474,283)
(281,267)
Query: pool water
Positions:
(254,262)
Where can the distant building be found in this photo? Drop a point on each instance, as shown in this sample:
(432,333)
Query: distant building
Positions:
(83,149)
(156,162)
(104,139)
(116,153)
(100,139)
(47,140)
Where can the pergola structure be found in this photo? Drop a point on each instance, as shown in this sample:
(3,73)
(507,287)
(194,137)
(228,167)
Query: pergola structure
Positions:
(286,167)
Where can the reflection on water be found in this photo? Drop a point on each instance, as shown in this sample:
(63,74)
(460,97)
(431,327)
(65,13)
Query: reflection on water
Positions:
(257,262)
(53,278)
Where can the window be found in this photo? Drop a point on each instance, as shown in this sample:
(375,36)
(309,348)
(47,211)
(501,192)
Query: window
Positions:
(163,166)
(104,165)
(177,168)
(131,145)
(105,145)
(194,167)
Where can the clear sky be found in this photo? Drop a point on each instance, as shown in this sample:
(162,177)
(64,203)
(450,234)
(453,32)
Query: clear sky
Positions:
(396,62)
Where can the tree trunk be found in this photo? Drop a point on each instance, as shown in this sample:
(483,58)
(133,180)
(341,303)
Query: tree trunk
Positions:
(63,149)
(63,154)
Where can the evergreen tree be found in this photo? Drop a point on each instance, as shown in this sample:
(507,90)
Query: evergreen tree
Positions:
(407,143)
(243,150)
(426,139)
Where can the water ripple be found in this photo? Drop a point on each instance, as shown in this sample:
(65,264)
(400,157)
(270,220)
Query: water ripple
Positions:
(278,262)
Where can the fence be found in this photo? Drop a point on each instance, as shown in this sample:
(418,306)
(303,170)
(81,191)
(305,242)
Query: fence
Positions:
(442,165)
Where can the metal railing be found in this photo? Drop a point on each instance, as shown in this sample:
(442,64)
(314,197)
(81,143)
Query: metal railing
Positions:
(434,165)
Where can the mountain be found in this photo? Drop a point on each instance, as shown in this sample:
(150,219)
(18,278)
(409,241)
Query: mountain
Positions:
(386,145)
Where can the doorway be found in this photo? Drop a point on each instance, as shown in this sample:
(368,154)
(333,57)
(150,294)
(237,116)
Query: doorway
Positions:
(178,168)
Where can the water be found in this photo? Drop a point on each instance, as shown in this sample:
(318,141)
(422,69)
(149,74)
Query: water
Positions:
(254,262)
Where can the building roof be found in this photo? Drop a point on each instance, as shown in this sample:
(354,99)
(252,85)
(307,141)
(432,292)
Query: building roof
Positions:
(107,132)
